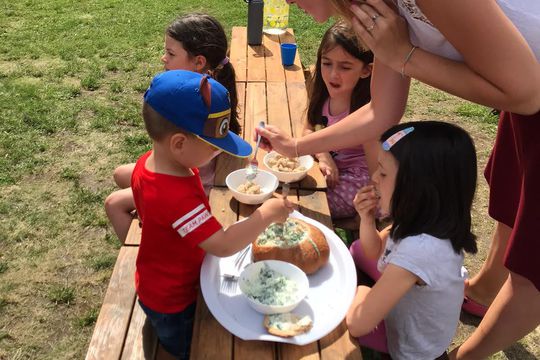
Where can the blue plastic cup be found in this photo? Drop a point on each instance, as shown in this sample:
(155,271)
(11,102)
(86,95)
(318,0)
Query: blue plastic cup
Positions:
(288,53)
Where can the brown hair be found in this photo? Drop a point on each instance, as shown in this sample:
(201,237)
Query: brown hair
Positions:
(157,126)
(202,34)
(340,34)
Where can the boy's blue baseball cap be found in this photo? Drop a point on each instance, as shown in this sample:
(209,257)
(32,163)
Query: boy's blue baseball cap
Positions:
(198,104)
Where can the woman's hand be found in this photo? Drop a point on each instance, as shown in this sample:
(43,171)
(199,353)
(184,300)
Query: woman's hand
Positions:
(382,30)
(329,169)
(273,138)
(366,202)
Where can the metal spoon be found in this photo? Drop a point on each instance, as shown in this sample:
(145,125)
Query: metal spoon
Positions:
(251,172)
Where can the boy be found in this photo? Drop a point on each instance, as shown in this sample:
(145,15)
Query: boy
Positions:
(187,116)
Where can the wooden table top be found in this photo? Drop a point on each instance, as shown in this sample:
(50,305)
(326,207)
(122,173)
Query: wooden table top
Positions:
(267,92)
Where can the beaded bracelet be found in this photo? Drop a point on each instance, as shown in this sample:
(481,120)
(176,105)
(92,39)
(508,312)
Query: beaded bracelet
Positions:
(407,58)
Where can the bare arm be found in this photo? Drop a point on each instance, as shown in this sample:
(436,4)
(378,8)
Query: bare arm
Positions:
(389,92)
(370,306)
(499,68)
(240,234)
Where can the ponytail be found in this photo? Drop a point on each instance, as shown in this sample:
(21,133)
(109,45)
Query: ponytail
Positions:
(226,76)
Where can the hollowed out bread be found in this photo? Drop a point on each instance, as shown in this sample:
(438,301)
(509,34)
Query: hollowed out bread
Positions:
(287,325)
(294,241)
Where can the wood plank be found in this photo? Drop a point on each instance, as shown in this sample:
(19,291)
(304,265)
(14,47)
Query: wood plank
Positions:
(210,339)
(306,352)
(255,111)
(224,206)
(298,102)
(238,52)
(114,316)
(339,345)
(278,112)
(249,350)
(241,91)
(225,163)
(134,233)
(314,204)
(272,55)
(255,63)
(295,72)
(141,341)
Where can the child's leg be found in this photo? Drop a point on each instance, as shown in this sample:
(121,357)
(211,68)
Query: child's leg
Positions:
(119,205)
(122,175)
(363,263)
(340,198)
(174,331)
(375,340)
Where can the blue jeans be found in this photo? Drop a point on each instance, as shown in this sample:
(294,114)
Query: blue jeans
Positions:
(174,331)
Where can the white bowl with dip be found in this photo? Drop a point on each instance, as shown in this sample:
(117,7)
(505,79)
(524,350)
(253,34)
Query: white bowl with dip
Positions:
(273,286)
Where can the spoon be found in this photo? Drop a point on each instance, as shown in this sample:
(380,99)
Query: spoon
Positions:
(251,172)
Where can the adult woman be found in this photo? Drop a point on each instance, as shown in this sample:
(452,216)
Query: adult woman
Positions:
(459,51)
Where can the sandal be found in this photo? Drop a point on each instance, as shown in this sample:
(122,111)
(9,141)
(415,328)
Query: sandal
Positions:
(472,307)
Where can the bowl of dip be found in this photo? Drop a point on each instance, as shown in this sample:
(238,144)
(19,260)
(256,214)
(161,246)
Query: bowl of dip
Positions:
(273,286)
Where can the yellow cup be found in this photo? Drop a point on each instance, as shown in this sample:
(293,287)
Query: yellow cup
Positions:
(276,16)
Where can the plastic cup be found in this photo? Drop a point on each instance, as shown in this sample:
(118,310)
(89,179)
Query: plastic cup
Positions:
(288,53)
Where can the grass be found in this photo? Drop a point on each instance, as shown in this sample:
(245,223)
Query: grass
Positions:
(72,75)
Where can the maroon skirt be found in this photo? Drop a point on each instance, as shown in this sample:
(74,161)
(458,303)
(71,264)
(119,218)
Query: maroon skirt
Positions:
(513,175)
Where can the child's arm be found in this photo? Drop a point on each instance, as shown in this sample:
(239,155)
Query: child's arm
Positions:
(226,242)
(326,162)
(371,305)
(372,241)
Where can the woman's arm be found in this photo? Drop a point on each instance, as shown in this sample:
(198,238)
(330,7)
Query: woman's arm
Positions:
(370,306)
(499,68)
(389,92)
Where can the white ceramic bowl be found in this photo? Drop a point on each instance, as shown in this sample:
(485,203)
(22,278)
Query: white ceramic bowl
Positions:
(266,180)
(250,275)
(306,161)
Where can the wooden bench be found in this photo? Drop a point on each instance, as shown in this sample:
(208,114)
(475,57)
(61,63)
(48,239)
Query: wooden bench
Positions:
(267,92)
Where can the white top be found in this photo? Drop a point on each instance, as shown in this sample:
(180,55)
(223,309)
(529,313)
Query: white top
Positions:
(424,321)
(524,14)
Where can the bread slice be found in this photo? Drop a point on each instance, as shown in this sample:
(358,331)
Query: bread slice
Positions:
(287,324)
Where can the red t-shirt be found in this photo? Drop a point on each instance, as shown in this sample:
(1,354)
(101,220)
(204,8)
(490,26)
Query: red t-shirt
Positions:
(175,217)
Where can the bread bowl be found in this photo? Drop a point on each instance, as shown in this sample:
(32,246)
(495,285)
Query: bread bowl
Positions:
(294,241)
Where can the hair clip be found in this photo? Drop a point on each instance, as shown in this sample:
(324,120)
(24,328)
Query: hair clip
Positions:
(392,140)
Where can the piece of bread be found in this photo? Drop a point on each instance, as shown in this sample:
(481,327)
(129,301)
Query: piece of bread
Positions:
(287,324)
(295,241)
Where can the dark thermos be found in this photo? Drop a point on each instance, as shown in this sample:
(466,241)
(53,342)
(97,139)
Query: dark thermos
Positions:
(255,21)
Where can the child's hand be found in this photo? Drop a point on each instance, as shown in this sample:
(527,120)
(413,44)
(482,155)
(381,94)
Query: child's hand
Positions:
(330,171)
(366,202)
(277,210)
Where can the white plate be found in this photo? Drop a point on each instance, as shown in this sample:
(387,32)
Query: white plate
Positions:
(331,292)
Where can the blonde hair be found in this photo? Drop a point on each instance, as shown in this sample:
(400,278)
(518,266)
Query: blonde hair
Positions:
(343,8)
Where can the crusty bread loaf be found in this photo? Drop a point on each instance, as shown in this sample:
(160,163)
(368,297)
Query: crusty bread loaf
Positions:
(296,241)
(287,325)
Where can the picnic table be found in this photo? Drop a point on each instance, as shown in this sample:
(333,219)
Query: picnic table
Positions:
(267,91)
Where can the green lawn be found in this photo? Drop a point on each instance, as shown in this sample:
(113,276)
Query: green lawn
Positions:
(72,75)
